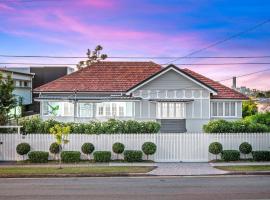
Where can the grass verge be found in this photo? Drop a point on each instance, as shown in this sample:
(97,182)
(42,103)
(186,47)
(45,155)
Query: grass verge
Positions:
(82,171)
(245,168)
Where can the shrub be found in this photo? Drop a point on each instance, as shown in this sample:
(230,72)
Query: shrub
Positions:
(260,118)
(118,148)
(112,126)
(245,148)
(240,126)
(54,148)
(149,148)
(102,156)
(131,126)
(23,148)
(215,148)
(87,148)
(230,155)
(261,155)
(149,127)
(133,156)
(38,157)
(70,156)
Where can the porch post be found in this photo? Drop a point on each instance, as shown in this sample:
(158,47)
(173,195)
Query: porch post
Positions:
(75,110)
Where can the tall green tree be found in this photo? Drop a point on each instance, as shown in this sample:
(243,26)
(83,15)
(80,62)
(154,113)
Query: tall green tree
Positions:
(249,108)
(7,98)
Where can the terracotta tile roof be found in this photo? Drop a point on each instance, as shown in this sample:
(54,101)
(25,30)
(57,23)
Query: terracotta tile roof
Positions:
(223,91)
(103,77)
(121,76)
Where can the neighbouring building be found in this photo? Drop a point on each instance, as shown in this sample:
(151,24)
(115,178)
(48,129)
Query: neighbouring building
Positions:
(22,87)
(43,75)
(180,99)
(263,104)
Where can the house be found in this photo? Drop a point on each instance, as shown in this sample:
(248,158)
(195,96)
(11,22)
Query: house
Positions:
(22,87)
(180,99)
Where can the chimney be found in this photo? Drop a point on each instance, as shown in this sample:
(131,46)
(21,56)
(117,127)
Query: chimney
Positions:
(234,83)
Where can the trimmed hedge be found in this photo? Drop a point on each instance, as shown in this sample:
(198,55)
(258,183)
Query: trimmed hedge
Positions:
(261,155)
(240,126)
(215,148)
(23,148)
(245,148)
(230,155)
(87,148)
(149,148)
(133,156)
(38,157)
(71,156)
(102,156)
(112,126)
(54,148)
(118,148)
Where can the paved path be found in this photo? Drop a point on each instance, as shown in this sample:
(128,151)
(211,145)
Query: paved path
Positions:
(174,169)
(150,188)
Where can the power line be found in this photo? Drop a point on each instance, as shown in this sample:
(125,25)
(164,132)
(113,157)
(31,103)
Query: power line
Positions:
(243,75)
(223,40)
(133,57)
(52,64)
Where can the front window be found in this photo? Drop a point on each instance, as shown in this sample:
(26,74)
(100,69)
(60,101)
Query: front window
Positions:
(54,108)
(224,109)
(114,109)
(85,109)
(172,110)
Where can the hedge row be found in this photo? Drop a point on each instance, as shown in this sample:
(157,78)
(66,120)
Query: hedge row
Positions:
(148,148)
(240,126)
(234,155)
(112,126)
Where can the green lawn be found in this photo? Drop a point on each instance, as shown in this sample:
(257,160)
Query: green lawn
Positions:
(72,170)
(243,168)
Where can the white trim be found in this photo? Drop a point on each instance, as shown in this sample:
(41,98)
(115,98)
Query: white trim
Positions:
(165,71)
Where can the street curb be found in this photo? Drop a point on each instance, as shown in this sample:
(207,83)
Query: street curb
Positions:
(128,175)
(72,175)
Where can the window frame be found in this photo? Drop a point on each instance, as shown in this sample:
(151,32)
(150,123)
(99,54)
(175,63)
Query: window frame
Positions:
(224,111)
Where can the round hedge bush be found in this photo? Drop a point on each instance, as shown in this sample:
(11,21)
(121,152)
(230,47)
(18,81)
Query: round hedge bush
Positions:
(215,148)
(87,148)
(54,148)
(149,148)
(23,148)
(245,148)
(118,148)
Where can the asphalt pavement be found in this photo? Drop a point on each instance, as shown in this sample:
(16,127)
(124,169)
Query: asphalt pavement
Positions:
(131,188)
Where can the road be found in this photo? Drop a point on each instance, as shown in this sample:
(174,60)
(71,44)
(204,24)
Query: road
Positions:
(145,188)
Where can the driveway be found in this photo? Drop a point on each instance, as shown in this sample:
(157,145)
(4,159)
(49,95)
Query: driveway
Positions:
(185,169)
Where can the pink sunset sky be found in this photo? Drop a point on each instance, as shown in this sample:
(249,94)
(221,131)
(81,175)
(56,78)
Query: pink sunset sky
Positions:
(141,28)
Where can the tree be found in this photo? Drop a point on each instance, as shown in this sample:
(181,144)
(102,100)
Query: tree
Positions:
(93,57)
(7,98)
(61,134)
(249,108)
(260,95)
(267,94)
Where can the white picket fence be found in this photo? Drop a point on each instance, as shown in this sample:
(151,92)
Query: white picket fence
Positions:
(171,147)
